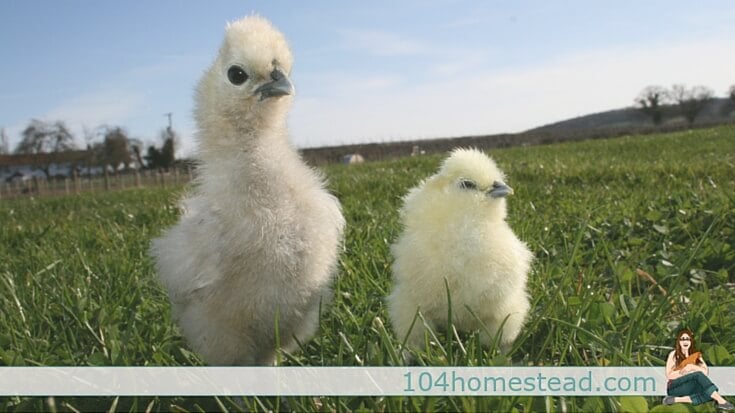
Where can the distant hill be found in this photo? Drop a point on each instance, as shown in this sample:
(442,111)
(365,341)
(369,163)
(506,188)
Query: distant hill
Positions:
(616,122)
(611,123)
(718,110)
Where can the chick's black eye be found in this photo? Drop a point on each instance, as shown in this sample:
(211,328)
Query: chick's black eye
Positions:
(467,184)
(236,75)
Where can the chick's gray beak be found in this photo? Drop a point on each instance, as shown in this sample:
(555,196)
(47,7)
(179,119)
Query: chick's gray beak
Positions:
(500,190)
(278,86)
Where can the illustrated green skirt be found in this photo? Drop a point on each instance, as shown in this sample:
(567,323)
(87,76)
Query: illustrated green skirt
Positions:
(695,385)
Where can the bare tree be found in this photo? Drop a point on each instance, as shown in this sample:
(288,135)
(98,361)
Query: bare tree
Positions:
(4,144)
(650,101)
(93,150)
(727,108)
(153,157)
(169,138)
(116,148)
(691,101)
(41,138)
(136,146)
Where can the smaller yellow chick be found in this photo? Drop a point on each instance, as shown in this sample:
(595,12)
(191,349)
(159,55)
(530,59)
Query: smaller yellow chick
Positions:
(454,229)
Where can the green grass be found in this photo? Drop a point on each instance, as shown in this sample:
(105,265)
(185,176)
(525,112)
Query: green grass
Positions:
(77,288)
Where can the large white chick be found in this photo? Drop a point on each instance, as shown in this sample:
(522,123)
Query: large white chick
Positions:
(454,229)
(256,246)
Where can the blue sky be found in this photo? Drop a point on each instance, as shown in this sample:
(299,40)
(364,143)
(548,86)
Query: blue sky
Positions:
(364,71)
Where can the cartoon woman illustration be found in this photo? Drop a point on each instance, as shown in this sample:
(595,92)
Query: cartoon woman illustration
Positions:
(687,374)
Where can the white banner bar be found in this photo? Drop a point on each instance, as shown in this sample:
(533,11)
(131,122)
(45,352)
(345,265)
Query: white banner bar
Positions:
(343,381)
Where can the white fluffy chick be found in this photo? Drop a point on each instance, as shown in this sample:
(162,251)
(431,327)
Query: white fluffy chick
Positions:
(257,244)
(454,228)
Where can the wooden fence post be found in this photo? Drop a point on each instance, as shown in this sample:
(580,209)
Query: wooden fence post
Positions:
(75,180)
(107,180)
(137,178)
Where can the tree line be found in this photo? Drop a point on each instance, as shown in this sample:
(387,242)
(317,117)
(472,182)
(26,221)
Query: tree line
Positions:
(109,147)
(112,146)
(658,101)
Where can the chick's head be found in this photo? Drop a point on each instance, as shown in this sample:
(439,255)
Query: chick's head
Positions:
(468,183)
(248,86)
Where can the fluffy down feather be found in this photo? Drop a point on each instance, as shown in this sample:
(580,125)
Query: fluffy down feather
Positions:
(257,243)
(454,228)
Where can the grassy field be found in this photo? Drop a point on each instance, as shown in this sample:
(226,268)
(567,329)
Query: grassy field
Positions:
(77,288)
